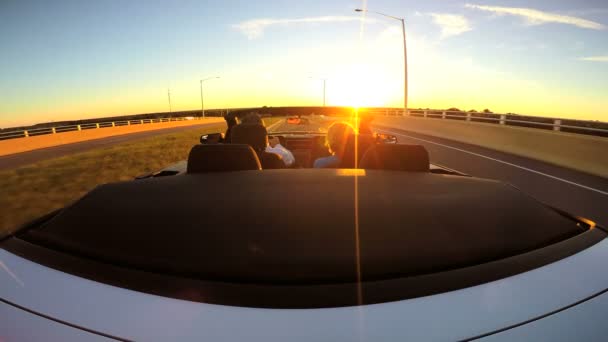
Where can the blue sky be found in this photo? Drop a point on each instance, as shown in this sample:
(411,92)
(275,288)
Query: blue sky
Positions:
(79,59)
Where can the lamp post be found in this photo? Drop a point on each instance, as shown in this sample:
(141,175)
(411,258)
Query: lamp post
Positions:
(404,54)
(169,97)
(324,87)
(202,99)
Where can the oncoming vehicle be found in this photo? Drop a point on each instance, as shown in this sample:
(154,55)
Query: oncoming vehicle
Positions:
(294,120)
(386,247)
(298,120)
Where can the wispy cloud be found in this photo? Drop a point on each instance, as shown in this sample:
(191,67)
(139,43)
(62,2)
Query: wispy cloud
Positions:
(595,59)
(536,17)
(254,28)
(451,24)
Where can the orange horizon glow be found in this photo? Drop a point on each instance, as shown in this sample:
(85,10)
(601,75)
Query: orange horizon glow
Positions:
(72,114)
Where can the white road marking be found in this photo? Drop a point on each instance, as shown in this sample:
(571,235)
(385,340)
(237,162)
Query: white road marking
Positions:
(499,161)
(274,125)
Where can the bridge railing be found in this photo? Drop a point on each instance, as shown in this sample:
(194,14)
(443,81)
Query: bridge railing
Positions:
(505,119)
(86,126)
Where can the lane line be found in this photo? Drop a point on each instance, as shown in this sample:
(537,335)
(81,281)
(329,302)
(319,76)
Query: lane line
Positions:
(274,125)
(499,161)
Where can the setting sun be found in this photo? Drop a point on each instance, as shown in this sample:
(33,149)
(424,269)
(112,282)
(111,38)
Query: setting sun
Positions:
(360,85)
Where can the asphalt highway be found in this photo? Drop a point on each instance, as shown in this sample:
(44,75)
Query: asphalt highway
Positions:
(20,159)
(575,192)
(316,124)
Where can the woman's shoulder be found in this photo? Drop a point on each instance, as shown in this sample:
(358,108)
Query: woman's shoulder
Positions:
(326,162)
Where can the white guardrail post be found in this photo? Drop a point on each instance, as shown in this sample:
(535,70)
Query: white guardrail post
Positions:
(468,116)
(53,130)
(557,123)
(443,114)
(502,119)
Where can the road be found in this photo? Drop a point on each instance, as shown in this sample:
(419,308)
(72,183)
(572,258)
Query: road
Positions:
(576,192)
(308,124)
(19,159)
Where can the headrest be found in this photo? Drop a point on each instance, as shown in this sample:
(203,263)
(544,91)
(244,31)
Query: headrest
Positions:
(359,143)
(222,158)
(398,157)
(252,135)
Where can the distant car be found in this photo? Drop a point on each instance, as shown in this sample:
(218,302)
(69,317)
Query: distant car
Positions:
(389,249)
(298,120)
(293,120)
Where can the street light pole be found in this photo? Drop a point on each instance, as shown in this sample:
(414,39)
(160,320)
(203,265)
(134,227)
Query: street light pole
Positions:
(404,69)
(405,88)
(324,87)
(169,97)
(202,98)
(202,101)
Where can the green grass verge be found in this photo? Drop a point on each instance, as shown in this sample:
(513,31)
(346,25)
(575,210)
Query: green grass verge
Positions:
(34,190)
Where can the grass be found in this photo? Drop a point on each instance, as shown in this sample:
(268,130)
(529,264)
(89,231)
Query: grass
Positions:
(31,191)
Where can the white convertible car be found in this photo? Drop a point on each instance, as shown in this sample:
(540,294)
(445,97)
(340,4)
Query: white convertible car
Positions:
(219,249)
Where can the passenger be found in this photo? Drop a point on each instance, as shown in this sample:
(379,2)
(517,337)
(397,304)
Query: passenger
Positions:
(252,119)
(256,137)
(365,124)
(230,122)
(275,145)
(337,136)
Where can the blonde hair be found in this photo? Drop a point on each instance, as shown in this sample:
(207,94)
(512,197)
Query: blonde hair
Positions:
(337,136)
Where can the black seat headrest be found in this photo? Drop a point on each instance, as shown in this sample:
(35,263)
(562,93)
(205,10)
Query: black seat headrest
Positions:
(356,145)
(222,158)
(398,157)
(252,135)
(271,160)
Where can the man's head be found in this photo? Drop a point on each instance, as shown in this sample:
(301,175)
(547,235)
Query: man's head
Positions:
(365,123)
(366,119)
(231,119)
(252,119)
(250,134)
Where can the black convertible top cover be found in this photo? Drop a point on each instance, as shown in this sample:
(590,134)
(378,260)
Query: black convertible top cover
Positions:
(301,226)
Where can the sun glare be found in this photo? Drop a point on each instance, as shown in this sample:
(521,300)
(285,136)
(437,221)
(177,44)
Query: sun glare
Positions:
(359,86)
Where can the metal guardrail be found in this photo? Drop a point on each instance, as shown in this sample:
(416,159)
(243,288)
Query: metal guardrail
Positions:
(500,119)
(86,126)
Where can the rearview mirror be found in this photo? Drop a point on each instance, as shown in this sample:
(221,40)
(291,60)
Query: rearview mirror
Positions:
(212,138)
(386,138)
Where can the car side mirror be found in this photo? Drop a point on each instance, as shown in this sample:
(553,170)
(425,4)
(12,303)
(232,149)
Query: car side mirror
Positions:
(212,138)
(386,138)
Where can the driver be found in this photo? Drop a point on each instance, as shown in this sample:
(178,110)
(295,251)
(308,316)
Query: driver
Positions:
(230,122)
(256,137)
(337,136)
(365,124)
(274,145)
